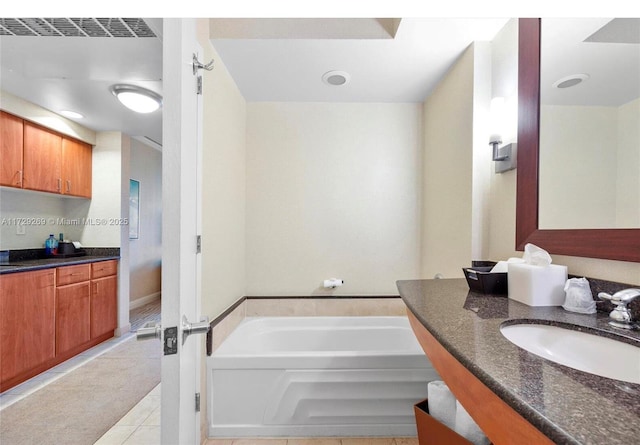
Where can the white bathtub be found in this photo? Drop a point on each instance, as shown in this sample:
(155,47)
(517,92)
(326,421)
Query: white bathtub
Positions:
(317,376)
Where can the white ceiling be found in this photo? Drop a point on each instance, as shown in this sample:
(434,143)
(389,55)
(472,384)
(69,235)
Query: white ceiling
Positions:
(284,59)
(607,50)
(390,60)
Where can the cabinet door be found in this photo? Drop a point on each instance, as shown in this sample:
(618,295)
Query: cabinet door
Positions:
(76,168)
(42,159)
(11,138)
(72,316)
(104,305)
(27,321)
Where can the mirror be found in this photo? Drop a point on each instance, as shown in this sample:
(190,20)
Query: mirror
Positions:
(589,123)
(606,243)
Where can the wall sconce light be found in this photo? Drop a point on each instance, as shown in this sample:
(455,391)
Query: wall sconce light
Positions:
(504,157)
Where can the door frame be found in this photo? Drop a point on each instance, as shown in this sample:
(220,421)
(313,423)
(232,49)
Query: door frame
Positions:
(181,183)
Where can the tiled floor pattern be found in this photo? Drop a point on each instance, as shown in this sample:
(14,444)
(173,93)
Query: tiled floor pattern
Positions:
(140,426)
(318,441)
(40,381)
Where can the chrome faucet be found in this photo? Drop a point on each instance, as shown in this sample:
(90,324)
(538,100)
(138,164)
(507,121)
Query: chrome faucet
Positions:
(621,316)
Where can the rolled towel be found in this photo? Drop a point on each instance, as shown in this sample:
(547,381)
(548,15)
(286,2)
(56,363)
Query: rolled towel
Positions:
(468,428)
(442,403)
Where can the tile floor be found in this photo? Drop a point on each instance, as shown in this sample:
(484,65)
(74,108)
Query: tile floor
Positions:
(318,441)
(140,426)
(23,390)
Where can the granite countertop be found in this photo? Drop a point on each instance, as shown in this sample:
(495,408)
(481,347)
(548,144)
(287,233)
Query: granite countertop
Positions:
(29,262)
(567,405)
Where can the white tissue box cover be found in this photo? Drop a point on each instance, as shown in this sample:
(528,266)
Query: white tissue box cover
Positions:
(537,285)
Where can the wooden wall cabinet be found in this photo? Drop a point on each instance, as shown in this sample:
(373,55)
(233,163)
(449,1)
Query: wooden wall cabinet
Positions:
(11,147)
(27,323)
(42,159)
(76,168)
(36,158)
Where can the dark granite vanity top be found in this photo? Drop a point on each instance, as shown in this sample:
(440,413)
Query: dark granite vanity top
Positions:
(33,259)
(568,406)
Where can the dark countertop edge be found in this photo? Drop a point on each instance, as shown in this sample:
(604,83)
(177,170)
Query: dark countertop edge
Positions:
(55,262)
(546,426)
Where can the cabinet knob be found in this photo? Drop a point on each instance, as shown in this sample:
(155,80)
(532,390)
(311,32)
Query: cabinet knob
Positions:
(59,184)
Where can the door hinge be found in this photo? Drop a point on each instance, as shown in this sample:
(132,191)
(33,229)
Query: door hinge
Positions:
(198,243)
(197,402)
(199,85)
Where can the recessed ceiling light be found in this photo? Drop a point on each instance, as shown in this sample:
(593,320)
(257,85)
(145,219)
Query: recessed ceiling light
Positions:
(137,98)
(336,78)
(71,114)
(570,81)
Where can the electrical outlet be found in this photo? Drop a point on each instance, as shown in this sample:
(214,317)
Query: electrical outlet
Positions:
(21,229)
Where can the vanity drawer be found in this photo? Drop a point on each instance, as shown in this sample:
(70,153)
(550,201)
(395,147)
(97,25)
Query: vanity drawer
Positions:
(104,269)
(73,274)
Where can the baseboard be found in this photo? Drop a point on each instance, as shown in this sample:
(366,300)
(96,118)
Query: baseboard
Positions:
(134,304)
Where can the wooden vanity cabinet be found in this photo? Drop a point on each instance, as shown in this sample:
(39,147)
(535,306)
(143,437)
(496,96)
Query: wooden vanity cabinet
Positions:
(104,298)
(11,147)
(42,159)
(73,307)
(48,316)
(27,324)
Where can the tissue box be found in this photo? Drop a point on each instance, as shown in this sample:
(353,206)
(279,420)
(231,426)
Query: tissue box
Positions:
(432,432)
(537,285)
(480,279)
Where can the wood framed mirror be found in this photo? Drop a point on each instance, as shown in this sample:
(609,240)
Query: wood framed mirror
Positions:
(612,244)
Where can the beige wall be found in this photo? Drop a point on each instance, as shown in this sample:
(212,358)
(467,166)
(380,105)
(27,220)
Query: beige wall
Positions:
(332,191)
(578,159)
(447,169)
(223,185)
(628,170)
(145,253)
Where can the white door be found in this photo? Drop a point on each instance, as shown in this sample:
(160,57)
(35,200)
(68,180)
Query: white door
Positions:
(181,120)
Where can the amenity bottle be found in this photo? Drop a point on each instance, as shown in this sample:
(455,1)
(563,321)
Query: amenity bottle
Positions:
(51,245)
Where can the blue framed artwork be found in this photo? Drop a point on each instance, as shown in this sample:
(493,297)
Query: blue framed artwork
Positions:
(134,209)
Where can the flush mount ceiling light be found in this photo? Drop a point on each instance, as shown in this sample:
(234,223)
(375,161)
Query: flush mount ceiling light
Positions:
(137,98)
(71,114)
(570,81)
(336,78)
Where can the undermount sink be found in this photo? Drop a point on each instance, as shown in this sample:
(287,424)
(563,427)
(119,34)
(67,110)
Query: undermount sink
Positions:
(586,352)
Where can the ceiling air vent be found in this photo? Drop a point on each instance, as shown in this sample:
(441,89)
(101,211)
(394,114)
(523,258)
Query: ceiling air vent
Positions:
(75,27)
